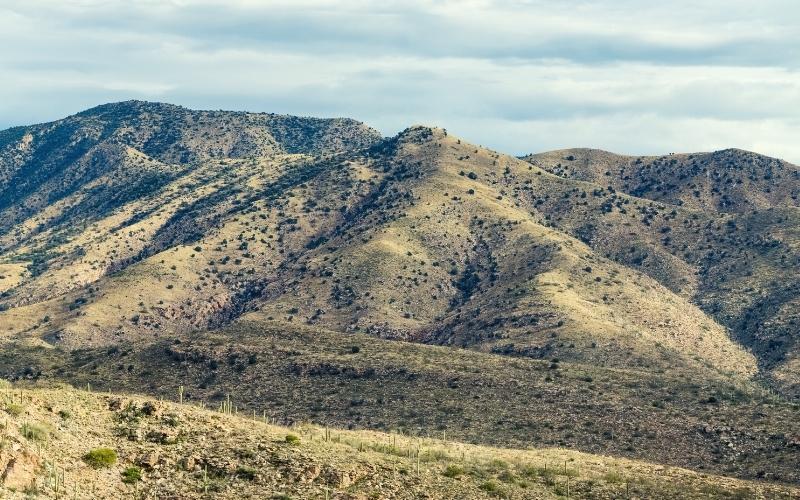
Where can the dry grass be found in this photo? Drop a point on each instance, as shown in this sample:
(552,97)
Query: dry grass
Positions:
(222,455)
(293,373)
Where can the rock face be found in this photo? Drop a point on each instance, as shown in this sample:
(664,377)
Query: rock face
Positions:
(148,460)
(19,468)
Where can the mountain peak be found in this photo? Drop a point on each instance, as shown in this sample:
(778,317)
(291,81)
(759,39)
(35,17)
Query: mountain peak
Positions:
(129,107)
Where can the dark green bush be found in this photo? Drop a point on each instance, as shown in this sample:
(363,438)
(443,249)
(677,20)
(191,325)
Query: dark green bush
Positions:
(132,475)
(101,457)
(453,470)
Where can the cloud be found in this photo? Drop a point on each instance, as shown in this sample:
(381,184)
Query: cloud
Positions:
(516,75)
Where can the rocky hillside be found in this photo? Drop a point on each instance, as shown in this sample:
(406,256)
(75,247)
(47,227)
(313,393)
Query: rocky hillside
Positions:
(63,443)
(420,237)
(100,159)
(731,180)
(574,298)
(706,422)
(722,230)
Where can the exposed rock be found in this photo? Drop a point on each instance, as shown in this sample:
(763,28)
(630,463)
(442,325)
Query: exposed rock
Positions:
(189,463)
(309,474)
(19,471)
(148,460)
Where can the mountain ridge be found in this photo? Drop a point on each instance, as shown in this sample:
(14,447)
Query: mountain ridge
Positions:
(153,232)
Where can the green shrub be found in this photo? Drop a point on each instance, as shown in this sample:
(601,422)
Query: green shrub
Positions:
(132,475)
(507,476)
(542,472)
(292,439)
(246,472)
(496,465)
(101,457)
(493,488)
(453,470)
(613,477)
(490,486)
(13,409)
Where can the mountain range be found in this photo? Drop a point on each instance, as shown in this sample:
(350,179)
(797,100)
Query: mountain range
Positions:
(645,307)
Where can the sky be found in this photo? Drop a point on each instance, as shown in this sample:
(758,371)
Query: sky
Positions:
(519,76)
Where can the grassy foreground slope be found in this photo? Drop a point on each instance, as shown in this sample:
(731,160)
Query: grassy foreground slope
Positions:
(64,443)
(719,424)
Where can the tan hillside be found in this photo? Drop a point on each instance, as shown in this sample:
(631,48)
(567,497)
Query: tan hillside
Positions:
(731,180)
(310,269)
(683,418)
(63,443)
(414,220)
(733,251)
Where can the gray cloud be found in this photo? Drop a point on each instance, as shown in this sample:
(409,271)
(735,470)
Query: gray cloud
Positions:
(515,75)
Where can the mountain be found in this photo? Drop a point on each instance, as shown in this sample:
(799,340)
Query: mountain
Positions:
(318,271)
(107,156)
(722,230)
(731,180)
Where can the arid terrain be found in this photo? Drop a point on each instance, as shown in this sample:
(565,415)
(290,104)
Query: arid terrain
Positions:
(631,320)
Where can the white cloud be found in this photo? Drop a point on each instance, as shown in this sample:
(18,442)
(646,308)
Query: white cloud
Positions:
(517,75)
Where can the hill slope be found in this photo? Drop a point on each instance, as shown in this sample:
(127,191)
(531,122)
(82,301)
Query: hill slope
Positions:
(419,237)
(303,373)
(115,153)
(165,449)
(723,230)
(145,246)
(731,180)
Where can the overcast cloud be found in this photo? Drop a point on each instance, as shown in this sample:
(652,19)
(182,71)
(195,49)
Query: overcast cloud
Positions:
(516,75)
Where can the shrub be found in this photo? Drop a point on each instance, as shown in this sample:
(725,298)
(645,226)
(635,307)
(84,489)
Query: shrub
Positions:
(490,486)
(132,475)
(34,432)
(13,409)
(246,472)
(292,439)
(539,471)
(101,457)
(453,470)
